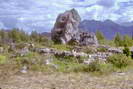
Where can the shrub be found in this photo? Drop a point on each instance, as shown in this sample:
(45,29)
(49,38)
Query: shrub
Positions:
(78,68)
(30,59)
(118,40)
(119,60)
(127,41)
(94,66)
(99,35)
(126,51)
(73,43)
(68,59)
(107,68)
(71,67)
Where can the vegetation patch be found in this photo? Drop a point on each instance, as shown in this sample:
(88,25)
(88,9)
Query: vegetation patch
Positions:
(102,49)
(3,59)
(61,47)
(119,60)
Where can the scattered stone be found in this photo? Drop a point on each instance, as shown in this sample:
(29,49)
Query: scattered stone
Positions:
(131,49)
(101,56)
(88,61)
(45,50)
(121,73)
(24,70)
(70,53)
(115,50)
(23,52)
(12,47)
(50,62)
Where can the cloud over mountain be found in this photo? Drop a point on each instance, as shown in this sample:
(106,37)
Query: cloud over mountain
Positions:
(41,14)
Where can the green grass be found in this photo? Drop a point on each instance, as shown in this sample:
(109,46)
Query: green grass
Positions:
(102,49)
(61,47)
(3,59)
(68,67)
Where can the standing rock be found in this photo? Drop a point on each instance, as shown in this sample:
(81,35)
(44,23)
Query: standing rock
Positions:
(66,30)
(66,27)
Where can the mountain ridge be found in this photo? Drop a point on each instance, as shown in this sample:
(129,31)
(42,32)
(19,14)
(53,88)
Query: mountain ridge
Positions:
(107,27)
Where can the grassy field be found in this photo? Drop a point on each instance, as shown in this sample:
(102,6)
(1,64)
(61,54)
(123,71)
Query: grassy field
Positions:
(11,78)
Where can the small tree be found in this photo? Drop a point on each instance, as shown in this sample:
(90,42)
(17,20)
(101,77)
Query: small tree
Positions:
(119,60)
(14,35)
(99,35)
(127,41)
(35,36)
(4,37)
(118,40)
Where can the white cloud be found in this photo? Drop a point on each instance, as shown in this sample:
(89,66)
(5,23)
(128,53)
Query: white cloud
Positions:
(1,25)
(43,13)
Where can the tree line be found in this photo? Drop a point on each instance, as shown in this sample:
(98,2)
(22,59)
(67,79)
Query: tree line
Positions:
(17,35)
(118,41)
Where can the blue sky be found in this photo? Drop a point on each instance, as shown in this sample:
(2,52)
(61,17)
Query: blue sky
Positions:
(40,15)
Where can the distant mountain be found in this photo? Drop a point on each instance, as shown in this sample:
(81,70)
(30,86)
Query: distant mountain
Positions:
(127,23)
(107,27)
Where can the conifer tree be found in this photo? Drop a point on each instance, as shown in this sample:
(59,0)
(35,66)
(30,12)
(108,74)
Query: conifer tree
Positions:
(118,40)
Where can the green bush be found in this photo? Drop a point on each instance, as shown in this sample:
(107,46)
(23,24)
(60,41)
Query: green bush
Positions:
(126,51)
(73,43)
(30,59)
(94,66)
(71,67)
(107,68)
(77,67)
(119,60)
(118,40)
(2,59)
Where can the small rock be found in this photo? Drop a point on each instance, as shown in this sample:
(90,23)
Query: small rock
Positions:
(1,49)
(24,69)
(121,73)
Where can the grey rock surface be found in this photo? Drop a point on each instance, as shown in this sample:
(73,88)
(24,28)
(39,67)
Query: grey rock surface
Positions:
(66,29)
(66,26)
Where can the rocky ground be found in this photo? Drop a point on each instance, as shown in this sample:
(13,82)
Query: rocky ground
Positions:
(37,80)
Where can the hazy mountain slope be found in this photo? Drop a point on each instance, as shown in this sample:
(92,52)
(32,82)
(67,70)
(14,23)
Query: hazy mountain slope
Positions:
(108,27)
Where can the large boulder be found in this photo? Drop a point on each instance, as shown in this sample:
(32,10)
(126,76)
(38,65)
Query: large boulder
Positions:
(88,39)
(66,30)
(66,27)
